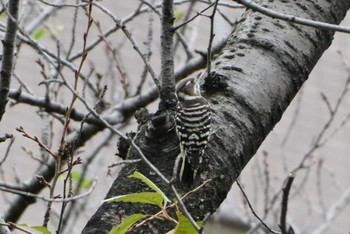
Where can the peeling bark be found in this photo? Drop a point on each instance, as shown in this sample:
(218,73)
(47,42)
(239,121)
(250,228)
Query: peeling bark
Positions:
(253,80)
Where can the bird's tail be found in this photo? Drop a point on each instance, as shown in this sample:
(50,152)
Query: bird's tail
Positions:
(189,166)
(186,174)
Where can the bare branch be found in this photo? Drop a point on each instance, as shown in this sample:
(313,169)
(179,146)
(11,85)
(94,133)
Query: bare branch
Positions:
(184,209)
(205,183)
(176,27)
(124,80)
(56,200)
(35,139)
(253,211)
(178,34)
(42,17)
(147,43)
(8,147)
(8,54)
(284,205)
(74,27)
(211,37)
(5,137)
(124,162)
(48,105)
(56,4)
(334,211)
(136,47)
(14,225)
(3,227)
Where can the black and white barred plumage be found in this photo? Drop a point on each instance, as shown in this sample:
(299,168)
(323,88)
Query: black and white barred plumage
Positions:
(193,118)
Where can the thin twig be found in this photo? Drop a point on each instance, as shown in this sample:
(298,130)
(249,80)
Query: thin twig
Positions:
(225,17)
(68,179)
(123,75)
(46,199)
(319,170)
(176,27)
(41,145)
(75,208)
(32,156)
(5,137)
(321,139)
(21,84)
(179,35)
(183,29)
(38,20)
(293,122)
(334,211)
(16,226)
(7,150)
(50,56)
(253,211)
(147,43)
(64,4)
(173,204)
(267,180)
(124,162)
(211,37)
(184,209)
(284,205)
(74,27)
(127,33)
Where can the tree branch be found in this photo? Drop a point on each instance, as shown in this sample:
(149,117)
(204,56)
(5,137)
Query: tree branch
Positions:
(8,54)
(292,18)
(284,205)
(252,209)
(167,92)
(57,200)
(16,208)
(136,47)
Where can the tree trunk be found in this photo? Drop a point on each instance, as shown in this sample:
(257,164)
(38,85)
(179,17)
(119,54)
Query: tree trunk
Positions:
(254,79)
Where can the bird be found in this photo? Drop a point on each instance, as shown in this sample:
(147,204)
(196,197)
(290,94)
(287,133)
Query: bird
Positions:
(193,123)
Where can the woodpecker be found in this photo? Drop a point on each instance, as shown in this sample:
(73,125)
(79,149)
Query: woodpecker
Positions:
(193,118)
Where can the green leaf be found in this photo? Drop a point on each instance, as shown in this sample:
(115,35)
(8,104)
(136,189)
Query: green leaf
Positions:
(40,229)
(185,226)
(75,176)
(3,15)
(147,181)
(37,34)
(143,197)
(86,183)
(126,224)
(178,15)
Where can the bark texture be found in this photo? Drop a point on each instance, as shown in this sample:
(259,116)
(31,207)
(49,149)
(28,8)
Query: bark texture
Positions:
(253,81)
